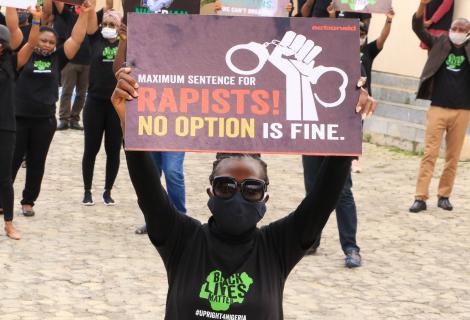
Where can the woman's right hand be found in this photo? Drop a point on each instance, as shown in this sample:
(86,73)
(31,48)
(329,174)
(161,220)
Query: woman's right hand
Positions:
(124,91)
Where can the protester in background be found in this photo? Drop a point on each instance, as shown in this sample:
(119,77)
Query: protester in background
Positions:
(75,75)
(445,81)
(437,17)
(370,50)
(36,96)
(346,211)
(230,243)
(9,64)
(168,163)
(99,116)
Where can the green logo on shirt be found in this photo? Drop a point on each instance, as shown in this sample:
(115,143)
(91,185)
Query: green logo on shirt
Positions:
(42,66)
(222,292)
(109,54)
(358,4)
(454,62)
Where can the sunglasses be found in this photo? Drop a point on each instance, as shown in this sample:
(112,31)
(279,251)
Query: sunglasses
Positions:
(251,190)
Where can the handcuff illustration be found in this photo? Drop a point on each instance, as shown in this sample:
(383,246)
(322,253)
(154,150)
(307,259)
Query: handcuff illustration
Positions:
(313,74)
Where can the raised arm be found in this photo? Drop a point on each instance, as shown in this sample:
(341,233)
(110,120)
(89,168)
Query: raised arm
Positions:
(385,30)
(160,215)
(109,5)
(121,53)
(27,50)
(418,25)
(14,28)
(46,11)
(92,25)
(307,8)
(72,44)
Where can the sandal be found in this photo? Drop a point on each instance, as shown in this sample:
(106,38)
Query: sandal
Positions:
(28,213)
(141,230)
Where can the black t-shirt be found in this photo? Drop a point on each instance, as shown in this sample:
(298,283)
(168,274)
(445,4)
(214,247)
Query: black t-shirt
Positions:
(26,30)
(64,28)
(7,91)
(368,53)
(102,78)
(452,82)
(215,276)
(319,9)
(38,85)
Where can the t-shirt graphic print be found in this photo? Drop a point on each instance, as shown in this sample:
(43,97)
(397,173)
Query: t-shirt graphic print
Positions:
(109,54)
(454,62)
(222,292)
(41,66)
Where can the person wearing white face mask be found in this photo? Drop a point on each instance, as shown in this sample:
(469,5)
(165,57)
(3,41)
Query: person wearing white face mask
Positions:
(445,81)
(99,116)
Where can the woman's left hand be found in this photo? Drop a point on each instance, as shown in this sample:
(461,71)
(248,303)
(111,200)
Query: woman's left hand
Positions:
(366,105)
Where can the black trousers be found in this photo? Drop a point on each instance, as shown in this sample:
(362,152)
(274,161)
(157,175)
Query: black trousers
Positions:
(33,138)
(100,118)
(346,212)
(7,146)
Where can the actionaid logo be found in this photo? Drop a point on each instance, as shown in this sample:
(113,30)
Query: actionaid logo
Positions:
(295,57)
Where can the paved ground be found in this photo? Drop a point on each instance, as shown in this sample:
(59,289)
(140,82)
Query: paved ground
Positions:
(79,262)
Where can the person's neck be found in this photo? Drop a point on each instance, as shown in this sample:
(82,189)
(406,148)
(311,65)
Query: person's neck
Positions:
(112,40)
(228,238)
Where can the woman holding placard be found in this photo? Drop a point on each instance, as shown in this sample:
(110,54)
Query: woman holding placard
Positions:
(10,39)
(36,96)
(228,267)
(99,116)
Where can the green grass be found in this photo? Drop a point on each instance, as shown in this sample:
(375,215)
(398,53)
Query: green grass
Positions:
(407,153)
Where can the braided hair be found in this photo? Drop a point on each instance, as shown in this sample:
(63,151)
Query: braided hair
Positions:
(223,156)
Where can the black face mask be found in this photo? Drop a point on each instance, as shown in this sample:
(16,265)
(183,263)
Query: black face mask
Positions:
(236,216)
(23,17)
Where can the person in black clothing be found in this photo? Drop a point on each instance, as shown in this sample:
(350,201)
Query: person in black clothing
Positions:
(75,75)
(10,62)
(99,116)
(36,96)
(370,50)
(229,266)
(445,81)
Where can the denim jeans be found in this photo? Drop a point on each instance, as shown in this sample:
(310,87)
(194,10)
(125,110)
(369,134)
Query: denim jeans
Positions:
(346,214)
(171,164)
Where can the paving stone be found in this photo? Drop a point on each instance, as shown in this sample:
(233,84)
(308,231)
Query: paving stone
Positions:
(86,263)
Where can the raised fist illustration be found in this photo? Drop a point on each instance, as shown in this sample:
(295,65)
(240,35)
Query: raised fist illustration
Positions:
(294,56)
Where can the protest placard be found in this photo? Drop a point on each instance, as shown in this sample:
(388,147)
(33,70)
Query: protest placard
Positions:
(20,4)
(160,6)
(262,8)
(368,6)
(276,85)
(73,2)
